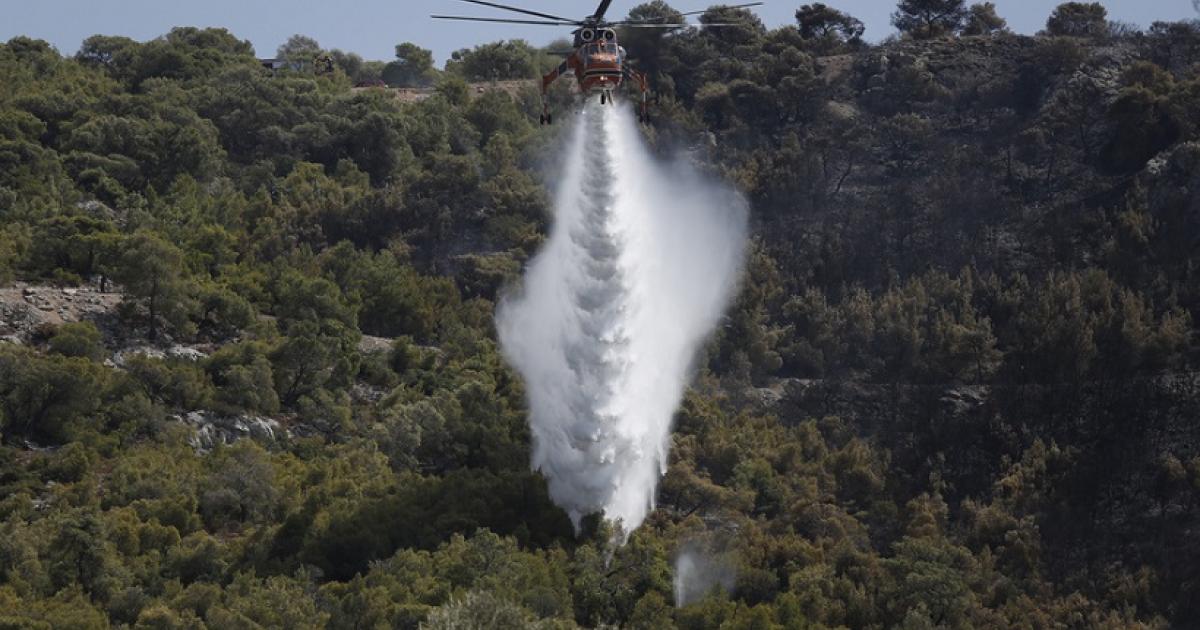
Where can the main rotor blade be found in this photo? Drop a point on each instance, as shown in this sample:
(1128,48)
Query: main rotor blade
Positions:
(602,9)
(656,25)
(723,6)
(501,20)
(736,6)
(650,25)
(505,7)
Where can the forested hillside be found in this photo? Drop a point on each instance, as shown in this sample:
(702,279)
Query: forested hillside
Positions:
(249,376)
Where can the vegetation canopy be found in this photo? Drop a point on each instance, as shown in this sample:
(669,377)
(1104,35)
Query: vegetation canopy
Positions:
(249,375)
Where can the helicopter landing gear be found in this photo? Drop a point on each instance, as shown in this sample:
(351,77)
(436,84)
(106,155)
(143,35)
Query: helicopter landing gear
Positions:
(603,97)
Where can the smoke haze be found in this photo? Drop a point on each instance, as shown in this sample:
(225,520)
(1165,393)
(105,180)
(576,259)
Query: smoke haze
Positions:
(640,264)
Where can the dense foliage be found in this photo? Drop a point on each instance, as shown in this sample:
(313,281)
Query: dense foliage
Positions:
(957,389)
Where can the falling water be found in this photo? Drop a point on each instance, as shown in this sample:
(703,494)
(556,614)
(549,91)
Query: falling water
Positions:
(641,261)
(698,572)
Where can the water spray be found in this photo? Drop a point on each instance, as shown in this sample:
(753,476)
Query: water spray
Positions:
(641,262)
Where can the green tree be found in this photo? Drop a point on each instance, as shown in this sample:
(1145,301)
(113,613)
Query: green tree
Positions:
(77,244)
(496,112)
(652,611)
(271,602)
(48,398)
(151,270)
(305,362)
(299,51)
(828,29)
(352,64)
(982,19)
(241,488)
(480,610)
(1144,120)
(79,554)
(505,60)
(189,53)
(745,27)
(454,89)
(78,339)
(926,19)
(244,377)
(115,54)
(413,67)
(1058,342)
(1078,19)
(647,46)
(931,582)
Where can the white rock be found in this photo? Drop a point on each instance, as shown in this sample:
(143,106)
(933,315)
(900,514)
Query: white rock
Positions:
(212,429)
(123,356)
(184,352)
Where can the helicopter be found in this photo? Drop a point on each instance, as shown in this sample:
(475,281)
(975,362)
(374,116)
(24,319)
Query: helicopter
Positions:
(600,63)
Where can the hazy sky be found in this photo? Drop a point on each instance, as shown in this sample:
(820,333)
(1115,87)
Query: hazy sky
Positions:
(373,27)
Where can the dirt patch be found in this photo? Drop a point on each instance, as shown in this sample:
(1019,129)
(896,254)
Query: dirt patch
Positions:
(368,344)
(834,66)
(25,308)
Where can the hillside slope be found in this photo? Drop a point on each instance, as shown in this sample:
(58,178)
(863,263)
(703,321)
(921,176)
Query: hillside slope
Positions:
(958,387)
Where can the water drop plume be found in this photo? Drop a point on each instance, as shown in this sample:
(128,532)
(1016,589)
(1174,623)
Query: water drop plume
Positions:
(641,261)
(700,571)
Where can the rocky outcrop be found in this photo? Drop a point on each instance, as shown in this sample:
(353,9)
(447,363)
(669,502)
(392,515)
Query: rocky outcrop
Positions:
(25,308)
(211,429)
(178,351)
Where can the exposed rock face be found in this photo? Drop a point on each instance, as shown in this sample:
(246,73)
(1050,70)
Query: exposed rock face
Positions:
(188,353)
(121,358)
(368,344)
(24,308)
(28,311)
(212,429)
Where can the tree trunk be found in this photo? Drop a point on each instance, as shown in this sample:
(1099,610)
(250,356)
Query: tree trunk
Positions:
(153,310)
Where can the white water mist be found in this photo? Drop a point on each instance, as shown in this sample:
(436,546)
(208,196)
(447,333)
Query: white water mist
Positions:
(640,264)
(699,572)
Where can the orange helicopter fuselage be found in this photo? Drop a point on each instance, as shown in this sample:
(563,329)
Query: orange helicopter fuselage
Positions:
(598,67)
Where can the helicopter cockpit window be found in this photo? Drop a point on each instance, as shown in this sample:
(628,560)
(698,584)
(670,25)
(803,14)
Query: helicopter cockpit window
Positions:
(595,49)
